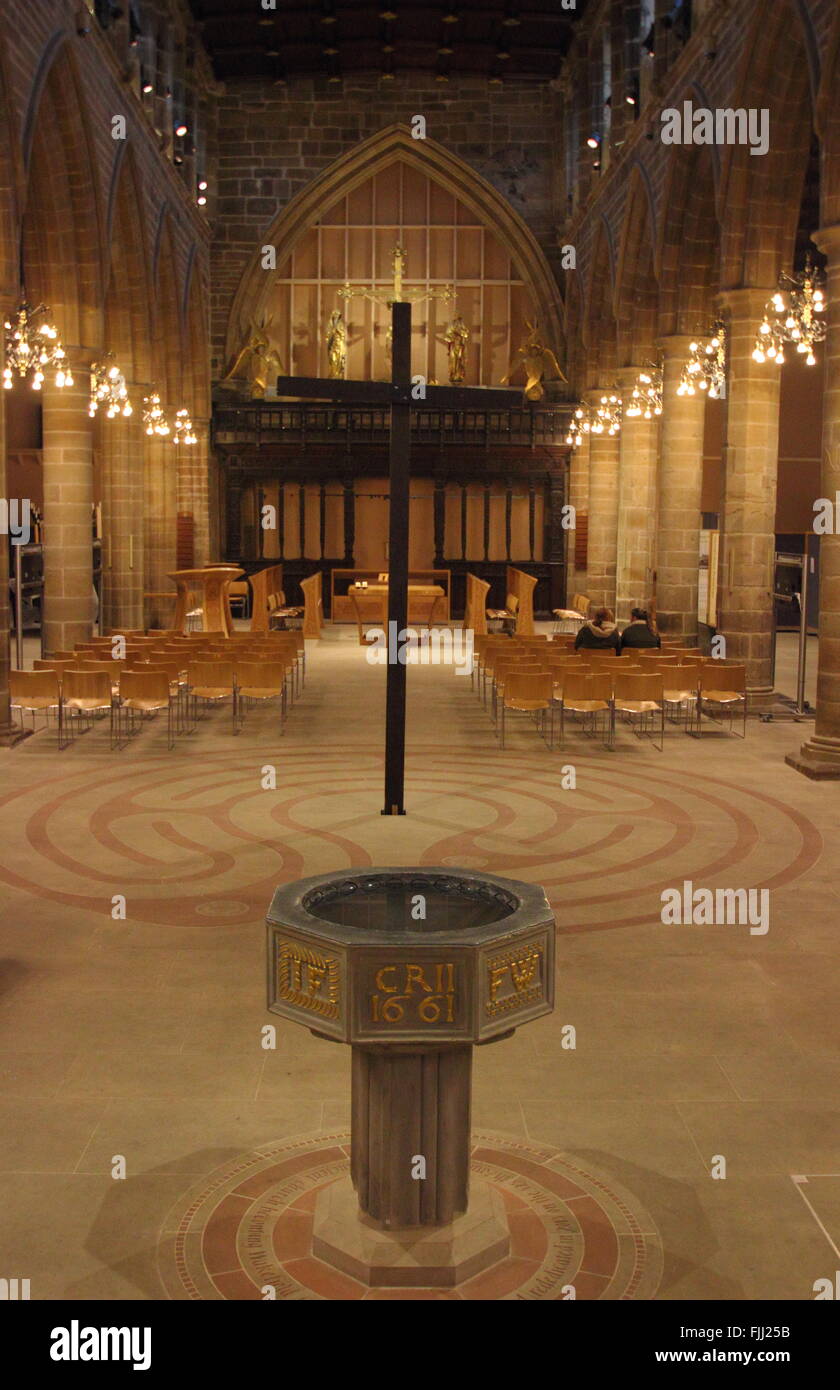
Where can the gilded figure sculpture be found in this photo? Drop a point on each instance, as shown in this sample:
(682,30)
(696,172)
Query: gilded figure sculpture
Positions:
(456,337)
(337,346)
(255,363)
(537,360)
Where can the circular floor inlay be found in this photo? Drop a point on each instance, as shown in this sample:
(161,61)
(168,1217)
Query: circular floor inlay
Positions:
(221,907)
(245,1231)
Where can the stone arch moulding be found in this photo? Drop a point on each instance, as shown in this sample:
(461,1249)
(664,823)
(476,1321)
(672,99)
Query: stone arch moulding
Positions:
(638,185)
(432,159)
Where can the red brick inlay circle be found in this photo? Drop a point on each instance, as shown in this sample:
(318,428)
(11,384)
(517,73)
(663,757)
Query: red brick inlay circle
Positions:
(246,1231)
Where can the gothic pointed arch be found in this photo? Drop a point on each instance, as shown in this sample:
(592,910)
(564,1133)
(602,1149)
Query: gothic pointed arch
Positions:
(636,289)
(63,216)
(360,164)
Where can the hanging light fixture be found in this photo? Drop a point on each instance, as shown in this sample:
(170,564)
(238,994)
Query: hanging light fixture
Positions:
(184,432)
(646,396)
(33,347)
(791,316)
(108,389)
(154,419)
(705,369)
(604,418)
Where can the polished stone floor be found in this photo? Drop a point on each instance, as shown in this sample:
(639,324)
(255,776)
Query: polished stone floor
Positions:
(140,1038)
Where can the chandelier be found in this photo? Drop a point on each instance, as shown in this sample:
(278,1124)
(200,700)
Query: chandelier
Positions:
(791,317)
(646,396)
(154,419)
(33,347)
(108,389)
(604,418)
(184,432)
(705,369)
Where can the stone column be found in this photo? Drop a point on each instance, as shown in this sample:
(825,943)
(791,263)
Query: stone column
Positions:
(748,520)
(160,488)
(579,499)
(121,451)
(637,451)
(680,489)
(68,504)
(603,511)
(820,756)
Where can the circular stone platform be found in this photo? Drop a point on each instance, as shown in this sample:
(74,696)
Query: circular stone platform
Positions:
(246,1231)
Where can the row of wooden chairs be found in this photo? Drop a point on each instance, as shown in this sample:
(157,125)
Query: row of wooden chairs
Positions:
(168,672)
(595,688)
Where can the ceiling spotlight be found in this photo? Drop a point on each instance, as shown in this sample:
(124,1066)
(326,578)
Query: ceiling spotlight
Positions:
(328,16)
(387,13)
(330,52)
(388,48)
(648,43)
(631,96)
(511,19)
(178,159)
(445,51)
(451,16)
(180,129)
(496,80)
(502,55)
(273,52)
(594,140)
(147,87)
(596,164)
(334,77)
(265,23)
(202,184)
(201,200)
(441,77)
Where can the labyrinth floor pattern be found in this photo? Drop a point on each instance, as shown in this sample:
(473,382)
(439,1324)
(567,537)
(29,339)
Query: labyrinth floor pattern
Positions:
(140,1035)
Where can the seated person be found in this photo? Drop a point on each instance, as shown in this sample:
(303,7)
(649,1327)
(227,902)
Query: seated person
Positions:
(639,632)
(599,633)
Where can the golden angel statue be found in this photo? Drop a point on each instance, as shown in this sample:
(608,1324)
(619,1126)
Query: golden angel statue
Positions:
(456,337)
(337,346)
(255,363)
(537,359)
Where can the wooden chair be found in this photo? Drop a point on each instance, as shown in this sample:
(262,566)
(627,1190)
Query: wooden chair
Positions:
(34,691)
(145,693)
(681,688)
(572,619)
(84,694)
(588,696)
(639,697)
(211,682)
(259,681)
(723,688)
(528,692)
(52,664)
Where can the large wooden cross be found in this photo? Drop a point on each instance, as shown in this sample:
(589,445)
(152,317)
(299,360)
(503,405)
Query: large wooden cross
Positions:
(401,394)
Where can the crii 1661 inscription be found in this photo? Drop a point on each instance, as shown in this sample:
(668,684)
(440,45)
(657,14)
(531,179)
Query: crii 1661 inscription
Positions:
(411,994)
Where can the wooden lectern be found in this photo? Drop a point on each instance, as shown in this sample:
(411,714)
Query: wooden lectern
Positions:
(210,587)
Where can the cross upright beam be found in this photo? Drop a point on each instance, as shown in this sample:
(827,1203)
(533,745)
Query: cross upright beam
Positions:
(401,396)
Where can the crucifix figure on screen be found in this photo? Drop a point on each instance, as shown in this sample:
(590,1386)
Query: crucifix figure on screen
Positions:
(401,393)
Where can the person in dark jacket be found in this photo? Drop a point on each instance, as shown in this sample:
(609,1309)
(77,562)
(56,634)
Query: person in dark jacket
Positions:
(600,633)
(639,632)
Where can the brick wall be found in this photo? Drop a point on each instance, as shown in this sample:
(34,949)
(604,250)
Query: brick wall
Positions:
(271,141)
